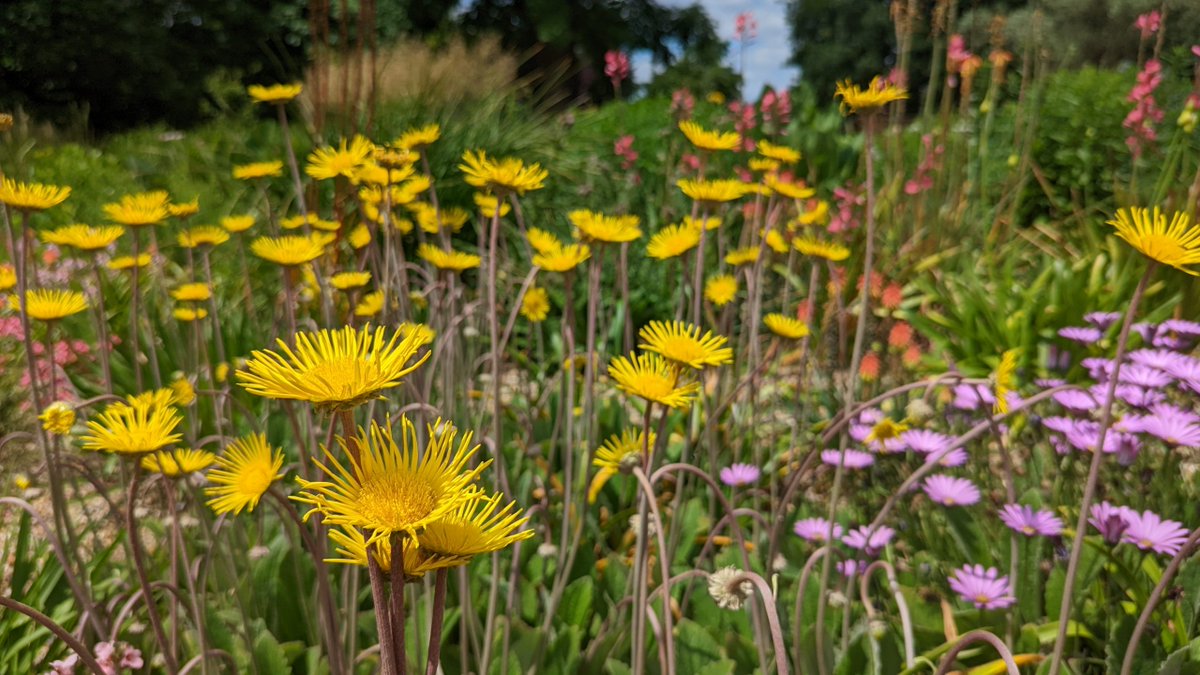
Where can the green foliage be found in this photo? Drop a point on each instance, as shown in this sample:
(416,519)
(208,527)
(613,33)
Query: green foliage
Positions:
(33,577)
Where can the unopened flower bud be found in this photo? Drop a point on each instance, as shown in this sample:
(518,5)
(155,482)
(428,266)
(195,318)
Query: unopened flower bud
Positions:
(726,593)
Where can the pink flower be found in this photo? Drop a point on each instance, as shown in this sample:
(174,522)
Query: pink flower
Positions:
(1148,23)
(623,148)
(745,27)
(689,162)
(682,104)
(956,54)
(132,658)
(776,109)
(616,66)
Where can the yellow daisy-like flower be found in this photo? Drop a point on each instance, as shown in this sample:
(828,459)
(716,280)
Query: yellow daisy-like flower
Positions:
(204,235)
(487,205)
(50,305)
(816,248)
(599,227)
(132,428)
(351,545)
(31,197)
(885,430)
(345,281)
(817,215)
(709,140)
(507,174)
(563,258)
(155,398)
(243,474)
(709,224)
(176,463)
(344,160)
(763,165)
(786,326)
(433,220)
(713,191)
(235,224)
(372,174)
(8,277)
(359,237)
(419,138)
(742,256)
(476,527)
(1004,380)
(454,261)
(58,418)
(542,241)
(535,306)
(653,378)
(83,237)
(621,453)
(715,98)
(774,241)
(422,333)
(877,94)
(182,391)
(257,170)
(189,314)
(185,209)
(141,209)
(1176,244)
(786,189)
(721,289)
(20,480)
(332,369)
(127,262)
(193,292)
(290,250)
(778,153)
(394,488)
(673,241)
(395,158)
(682,343)
(370,305)
(275,94)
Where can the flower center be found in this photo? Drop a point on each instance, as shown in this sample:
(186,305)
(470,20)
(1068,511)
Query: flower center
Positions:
(254,479)
(395,502)
(341,377)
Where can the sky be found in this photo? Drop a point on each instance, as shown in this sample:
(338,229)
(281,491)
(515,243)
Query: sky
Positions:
(766,56)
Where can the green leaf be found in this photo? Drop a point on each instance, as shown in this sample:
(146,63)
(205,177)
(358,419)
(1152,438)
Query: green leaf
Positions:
(269,655)
(576,607)
(695,647)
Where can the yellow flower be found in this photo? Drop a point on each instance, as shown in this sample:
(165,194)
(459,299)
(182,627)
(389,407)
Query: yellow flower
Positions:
(8,277)
(621,453)
(140,210)
(454,261)
(222,371)
(395,158)
(709,224)
(816,215)
(542,241)
(21,482)
(715,98)
(290,250)
(422,333)
(203,235)
(193,292)
(243,474)
(127,262)
(83,237)
(359,237)
(344,281)
(370,305)
(351,545)
(418,138)
(762,165)
(742,256)
(775,242)
(433,221)
(394,488)
(236,224)
(786,189)
(256,170)
(188,314)
(58,418)
(673,241)
(176,463)
(477,526)
(30,197)
(563,258)
(1004,380)
(599,227)
(786,326)
(709,140)
(372,174)
(185,209)
(132,428)
(877,94)
(50,305)
(682,343)
(713,191)
(778,153)
(332,369)
(344,160)
(885,430)
(653,378)
(507,174)
(155,398)
(487,205)
(182,391)
(275,94)
(1176,244)
(535,306)
(816,248)
(720,290)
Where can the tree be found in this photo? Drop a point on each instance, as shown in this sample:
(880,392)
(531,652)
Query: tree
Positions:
(837,39)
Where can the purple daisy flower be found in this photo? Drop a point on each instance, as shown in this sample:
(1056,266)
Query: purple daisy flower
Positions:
(1173,429)
(816,529)
(924,440)
(870,416)
(871,545)
(956,457)
(1102,320)
(1062,425)
(1098,368)
(853,459)
(1131,394)
(1111,521)
(859,432)
(740,474)
(1168,410)
(1182,327)
(951,491)
(849,568)
(1031,523)
(1146,330)
(1186,370)
(1148,531)
(1144,376)
(1082,334)
(1166,339)
(1161,359)
(984,588)
(1086,435)
(1049,382)
(1075,400)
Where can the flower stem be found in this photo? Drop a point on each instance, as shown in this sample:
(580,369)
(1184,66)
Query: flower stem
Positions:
(139,564)
(383,626)
(435,625)
(398,618)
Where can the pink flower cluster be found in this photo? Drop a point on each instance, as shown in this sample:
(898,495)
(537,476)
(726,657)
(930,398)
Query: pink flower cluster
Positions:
(745,118)
(682,104)
(849,199)
(623,148)
(1145,114)
(616,68)
(113,657)
(745,27)
(931,161)
(1148,23)
(776,109)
